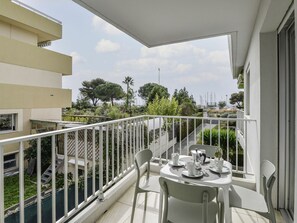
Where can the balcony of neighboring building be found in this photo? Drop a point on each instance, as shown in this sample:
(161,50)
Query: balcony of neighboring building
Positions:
(20,15)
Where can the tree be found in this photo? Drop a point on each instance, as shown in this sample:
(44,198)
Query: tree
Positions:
(145,90)
(159,90)
(88,89)
(187,108)
(237,98)
(183,95)
(82,103)
(163,106)
(222,104)
(129,82)
(109,92)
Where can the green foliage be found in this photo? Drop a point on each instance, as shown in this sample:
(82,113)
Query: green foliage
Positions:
(11,189)
(187,108)
(183,95)
(129,93)
(88,89)
(82,103)
(145,90)
(159,90)
(213,135)
(237,99)
(109,92)
(222,104)
(46,152)
(163,106)
(115,113)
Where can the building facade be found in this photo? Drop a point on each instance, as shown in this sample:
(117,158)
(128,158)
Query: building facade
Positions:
(30,75)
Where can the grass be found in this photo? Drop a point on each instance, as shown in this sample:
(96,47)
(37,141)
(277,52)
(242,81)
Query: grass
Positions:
(11,189)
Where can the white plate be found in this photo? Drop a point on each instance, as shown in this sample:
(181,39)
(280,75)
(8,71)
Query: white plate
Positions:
(180,164)
(186,174)
(224,170)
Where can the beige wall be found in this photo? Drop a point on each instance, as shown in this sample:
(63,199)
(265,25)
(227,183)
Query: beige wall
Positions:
(13,74)
(46,113)
(16,33)
(18,96)
(39,58)
(45,28)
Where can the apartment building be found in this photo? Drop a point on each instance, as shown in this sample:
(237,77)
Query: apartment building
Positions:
(30,75)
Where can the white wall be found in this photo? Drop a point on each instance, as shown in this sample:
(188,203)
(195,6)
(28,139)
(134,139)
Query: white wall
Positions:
(261,62)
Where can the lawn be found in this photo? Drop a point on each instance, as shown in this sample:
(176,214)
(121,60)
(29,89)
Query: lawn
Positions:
(11,189)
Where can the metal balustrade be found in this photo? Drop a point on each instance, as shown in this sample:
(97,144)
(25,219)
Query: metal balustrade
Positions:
(105,151)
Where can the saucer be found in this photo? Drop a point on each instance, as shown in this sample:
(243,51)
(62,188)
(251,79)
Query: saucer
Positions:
(224,169)
(197,175)
(179,164)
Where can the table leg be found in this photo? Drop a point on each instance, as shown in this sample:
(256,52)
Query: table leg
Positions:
(227,211)
(160,205)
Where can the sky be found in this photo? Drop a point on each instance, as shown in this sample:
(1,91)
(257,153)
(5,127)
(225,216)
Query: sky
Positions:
(100,50)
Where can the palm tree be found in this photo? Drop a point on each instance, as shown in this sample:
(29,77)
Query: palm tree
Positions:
(129,82)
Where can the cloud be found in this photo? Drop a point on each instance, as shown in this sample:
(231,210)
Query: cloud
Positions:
(218,57)
(97,22)
(143,64)
(107,46)
(199,78)
(182,68)
(77,58)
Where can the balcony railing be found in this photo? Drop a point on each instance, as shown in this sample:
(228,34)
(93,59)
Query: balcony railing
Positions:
(99,155)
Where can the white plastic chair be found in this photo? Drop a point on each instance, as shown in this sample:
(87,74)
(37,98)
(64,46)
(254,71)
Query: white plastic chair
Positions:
(188,203)
(151,183)
(247,199)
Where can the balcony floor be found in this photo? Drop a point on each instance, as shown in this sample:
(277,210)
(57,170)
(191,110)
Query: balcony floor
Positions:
(121,211)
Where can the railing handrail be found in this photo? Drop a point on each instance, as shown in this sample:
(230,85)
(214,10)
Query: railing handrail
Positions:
(62,131)
(36,11)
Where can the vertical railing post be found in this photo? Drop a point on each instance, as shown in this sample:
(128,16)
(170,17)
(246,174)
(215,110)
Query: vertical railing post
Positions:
(127,145)
(66,174)
(106,154)
(86,165)
(123,148)
(101,196)
(160,135)
(210,132)
(148,133)
(112,153)
(94,162)
(173,146)
(76,171)
(228,159)
(118,149)
(245,146)
(202,131)
(187,136)
(1,185)
(154,137)
(195,131)
(180,136)
(39,217)
(53,179)
(236,153)
(219,133)
(167,138)
(21,183)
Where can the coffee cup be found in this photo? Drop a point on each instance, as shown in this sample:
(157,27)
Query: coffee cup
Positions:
(175,158)
(191,168)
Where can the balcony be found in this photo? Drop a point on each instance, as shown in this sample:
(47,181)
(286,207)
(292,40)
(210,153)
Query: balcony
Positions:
(100,158)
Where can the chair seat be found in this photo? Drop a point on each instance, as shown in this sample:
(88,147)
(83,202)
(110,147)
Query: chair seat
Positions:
(152,185)
(181,211)
(244,198)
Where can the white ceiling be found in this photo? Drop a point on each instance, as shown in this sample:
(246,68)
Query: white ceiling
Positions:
(160,22)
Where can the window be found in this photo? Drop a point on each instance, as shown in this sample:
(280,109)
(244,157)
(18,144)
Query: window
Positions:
(9,161)
(7,122)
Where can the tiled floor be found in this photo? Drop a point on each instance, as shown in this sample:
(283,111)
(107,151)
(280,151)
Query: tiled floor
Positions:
(121,211)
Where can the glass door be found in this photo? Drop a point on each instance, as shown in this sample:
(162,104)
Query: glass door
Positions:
(287,119)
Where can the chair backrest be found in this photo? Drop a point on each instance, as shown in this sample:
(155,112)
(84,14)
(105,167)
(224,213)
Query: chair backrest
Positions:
(209,150)
(142,157)
(188,193)
(268,171)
